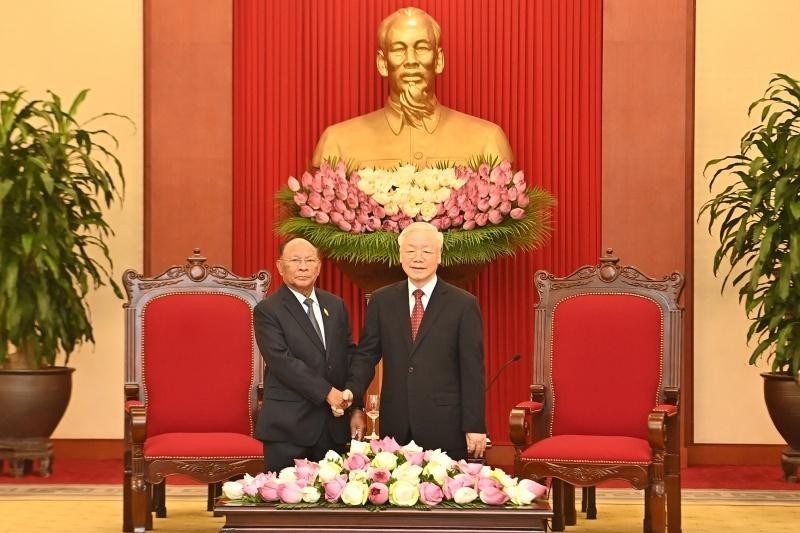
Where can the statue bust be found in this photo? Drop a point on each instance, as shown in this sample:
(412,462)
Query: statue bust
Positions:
(413,127)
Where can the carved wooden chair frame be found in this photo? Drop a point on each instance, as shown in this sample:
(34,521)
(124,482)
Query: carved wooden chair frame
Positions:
(143,483)
(531,421)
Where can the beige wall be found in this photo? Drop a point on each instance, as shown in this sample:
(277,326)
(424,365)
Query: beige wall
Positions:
(740,43)
(65,47)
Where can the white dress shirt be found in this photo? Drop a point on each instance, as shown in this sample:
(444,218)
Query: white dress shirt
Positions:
(427,290)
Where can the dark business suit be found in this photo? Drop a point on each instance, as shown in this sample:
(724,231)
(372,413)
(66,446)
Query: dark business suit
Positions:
(300,374)
(432,388)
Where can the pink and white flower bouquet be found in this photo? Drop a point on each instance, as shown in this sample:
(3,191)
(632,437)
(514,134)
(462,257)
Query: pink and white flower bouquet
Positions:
(485,210)
(383,473)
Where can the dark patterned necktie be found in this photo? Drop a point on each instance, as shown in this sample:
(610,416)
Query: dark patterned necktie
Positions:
(310,304)
(416,314)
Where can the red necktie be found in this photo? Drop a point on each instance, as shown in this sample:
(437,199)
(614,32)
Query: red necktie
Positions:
(416,314)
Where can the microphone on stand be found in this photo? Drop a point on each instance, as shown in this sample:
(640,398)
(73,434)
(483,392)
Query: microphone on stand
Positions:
(514,358)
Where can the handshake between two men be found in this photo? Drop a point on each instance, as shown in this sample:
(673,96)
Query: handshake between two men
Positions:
(339,402)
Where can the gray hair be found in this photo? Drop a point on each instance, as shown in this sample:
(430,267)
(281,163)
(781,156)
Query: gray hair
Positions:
(421,227)
(408,12)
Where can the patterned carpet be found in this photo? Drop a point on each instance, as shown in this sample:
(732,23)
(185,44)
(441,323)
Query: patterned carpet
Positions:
(96,508)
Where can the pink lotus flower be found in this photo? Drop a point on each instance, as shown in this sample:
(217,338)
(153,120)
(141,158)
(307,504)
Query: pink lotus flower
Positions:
(450,486)
(341,191)
(373,224)
(251,489)
(430,493)
(300,198)
(488,482)
(344,225)
(378,493)
(389,225)
(519,177)
(307,179)
(322,218)
(481,219)
(339,206)
(415,458)
(356,461)
(492,496)
(316,183)
(314,200)
(494,199)
(495,217)
(473,469)
(334,487)
(537,489)
(458,221)
(386,444)
(483,204)
(523,200)
(505,207)
(468,225)
(467,480)
(380,475)
(307,211)
(290,492)
(336,217)
(325,206)
(349,216)
(352,200)
(305,471)
(328,194)
(512,194)
(294,185)
(269,490)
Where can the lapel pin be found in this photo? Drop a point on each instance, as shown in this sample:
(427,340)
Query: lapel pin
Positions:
(325,310)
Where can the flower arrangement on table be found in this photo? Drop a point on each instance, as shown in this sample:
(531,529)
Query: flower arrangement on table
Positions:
(380,473)
(484,209)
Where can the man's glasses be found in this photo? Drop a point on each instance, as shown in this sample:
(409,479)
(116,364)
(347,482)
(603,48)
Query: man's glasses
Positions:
(296,262)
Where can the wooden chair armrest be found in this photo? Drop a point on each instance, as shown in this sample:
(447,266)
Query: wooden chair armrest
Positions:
(136,421)
(666,408)
(520,422)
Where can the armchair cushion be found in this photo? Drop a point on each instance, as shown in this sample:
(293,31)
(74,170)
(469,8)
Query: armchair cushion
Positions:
(588,331)
(188,340)
(196,446)
(590,449)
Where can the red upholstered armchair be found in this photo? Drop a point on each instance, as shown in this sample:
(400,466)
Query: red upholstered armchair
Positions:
(604,403)
(193,378)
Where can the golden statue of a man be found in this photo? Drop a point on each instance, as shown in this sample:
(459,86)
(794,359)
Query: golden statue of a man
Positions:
(413,127)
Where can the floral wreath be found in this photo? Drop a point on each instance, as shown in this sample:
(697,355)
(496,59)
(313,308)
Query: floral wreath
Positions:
(484,209)
(381,473)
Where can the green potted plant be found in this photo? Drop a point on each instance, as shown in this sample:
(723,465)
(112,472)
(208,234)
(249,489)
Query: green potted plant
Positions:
(758,216)
(56,176)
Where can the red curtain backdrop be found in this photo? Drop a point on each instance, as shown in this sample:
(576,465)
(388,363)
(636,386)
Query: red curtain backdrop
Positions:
(534,67)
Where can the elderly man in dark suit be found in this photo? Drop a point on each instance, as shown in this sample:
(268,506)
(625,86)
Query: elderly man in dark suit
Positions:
(430,336)
(304,336)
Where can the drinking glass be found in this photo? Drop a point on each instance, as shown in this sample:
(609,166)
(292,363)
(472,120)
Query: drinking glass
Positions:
(373,412)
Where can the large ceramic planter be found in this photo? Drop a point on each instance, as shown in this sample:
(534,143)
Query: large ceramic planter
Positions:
(782,396)
(32,403)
